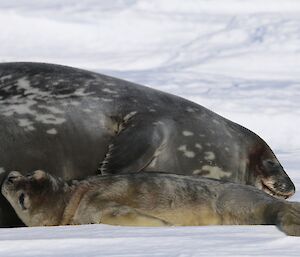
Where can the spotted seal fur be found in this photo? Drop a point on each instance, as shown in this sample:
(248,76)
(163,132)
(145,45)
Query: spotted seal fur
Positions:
(75,123)
(141,199)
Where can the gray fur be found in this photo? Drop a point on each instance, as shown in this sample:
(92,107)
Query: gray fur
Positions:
(75,123)
(142,199)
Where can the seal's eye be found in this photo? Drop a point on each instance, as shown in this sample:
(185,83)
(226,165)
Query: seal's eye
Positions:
(269,164)
(21,201)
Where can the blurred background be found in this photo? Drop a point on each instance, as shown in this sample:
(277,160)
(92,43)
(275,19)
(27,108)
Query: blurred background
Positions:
(239,58)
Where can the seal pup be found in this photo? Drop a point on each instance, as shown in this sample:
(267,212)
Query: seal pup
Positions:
(141,199)
(76,123)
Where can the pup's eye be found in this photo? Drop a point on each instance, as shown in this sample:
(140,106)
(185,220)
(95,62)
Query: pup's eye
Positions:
(21,201)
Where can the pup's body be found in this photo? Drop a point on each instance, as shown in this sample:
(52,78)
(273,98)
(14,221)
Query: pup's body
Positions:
(145,200)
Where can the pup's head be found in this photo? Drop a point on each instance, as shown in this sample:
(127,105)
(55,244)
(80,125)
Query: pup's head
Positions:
(34,197)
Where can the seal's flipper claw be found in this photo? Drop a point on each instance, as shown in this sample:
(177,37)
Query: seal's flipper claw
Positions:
(132,149)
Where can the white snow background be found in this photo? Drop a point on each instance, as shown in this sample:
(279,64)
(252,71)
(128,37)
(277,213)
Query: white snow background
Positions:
(239,58)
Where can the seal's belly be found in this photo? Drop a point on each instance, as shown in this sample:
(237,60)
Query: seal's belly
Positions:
(189,216)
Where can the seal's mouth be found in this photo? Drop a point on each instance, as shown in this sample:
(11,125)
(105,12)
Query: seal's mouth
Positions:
(268,187)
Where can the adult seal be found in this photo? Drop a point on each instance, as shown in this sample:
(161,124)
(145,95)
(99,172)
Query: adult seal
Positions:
(75,123)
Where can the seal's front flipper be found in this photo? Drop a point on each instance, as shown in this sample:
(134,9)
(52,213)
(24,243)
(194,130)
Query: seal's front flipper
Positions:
(289,219)
(134,147)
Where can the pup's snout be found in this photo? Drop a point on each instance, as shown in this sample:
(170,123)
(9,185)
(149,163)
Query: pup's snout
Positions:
(12,176)
(10,180)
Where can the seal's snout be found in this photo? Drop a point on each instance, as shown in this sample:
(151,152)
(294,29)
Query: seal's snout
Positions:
(286,187)
(10,180)
(13,176)
(279,187)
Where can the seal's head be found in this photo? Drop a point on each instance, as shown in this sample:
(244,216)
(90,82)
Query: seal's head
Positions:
(273,179)
(34,197)
(266,173)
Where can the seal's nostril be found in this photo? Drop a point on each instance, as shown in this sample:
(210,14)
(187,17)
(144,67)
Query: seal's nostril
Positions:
(11,179)
(285,187)
(288,186)
(291,187)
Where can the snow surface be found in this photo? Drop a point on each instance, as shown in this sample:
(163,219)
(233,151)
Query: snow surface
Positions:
(239,58)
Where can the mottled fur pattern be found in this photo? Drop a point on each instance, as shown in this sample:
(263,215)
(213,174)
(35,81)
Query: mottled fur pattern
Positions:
(141,199)
(75,123)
